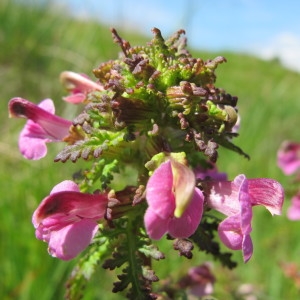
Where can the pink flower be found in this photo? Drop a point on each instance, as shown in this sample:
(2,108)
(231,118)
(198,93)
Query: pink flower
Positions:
(288,157)
(67,219)
(42,126)
(175,206)
(235,200)
(293,212)
(199,281)
(79,85)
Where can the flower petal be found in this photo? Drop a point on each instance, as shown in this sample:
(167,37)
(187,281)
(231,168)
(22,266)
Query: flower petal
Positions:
(66,185)
(184,182)
(223,196)
(66,200)
(247,247)
(56,127)
(156,227)
(187,224)
(32,141)
(246,208)
(230,232)
(68,242)
(266,192)
(159,191)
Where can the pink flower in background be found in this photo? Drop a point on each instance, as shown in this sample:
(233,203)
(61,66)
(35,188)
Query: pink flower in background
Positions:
(293,212)
(199,281)
(67,219)
(288,157)
(78,85)
(175,206)
(235,200)
(43,126)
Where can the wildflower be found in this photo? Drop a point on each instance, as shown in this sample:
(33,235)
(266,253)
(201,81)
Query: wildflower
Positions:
(67,219)
(43,126)
(235,200)
(175,205)
(79,85)
(288,157)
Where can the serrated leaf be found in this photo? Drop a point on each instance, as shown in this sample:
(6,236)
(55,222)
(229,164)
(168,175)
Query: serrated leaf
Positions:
(117,260)
(152,251)
(225,142)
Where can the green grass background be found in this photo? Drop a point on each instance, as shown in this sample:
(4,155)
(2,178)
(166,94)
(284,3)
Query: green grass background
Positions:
(36,44)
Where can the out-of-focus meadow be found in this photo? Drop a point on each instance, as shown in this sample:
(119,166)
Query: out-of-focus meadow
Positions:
(36,44)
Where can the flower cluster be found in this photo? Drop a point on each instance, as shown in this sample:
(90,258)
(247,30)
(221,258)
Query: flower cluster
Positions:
(151,125)
(288,159)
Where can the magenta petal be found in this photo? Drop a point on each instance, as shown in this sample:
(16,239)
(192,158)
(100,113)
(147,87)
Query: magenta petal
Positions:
(33,138)
(266,192)
(72,239)
(159,192)
(67,204)
(246,208)
(187,224)
(56,127)
(32,141)
(156,227)
(247,247)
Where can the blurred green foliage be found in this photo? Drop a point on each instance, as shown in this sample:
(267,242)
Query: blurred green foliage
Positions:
(37,42)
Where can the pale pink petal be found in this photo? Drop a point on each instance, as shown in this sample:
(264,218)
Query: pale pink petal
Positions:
(68,242)
(223,196)
(230,232)
(156,227)
(79,85)
(184,182)
(66,185)
(75,98)
(159,192)
(47,105)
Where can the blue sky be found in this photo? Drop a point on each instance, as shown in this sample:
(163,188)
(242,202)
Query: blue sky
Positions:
(267,28)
